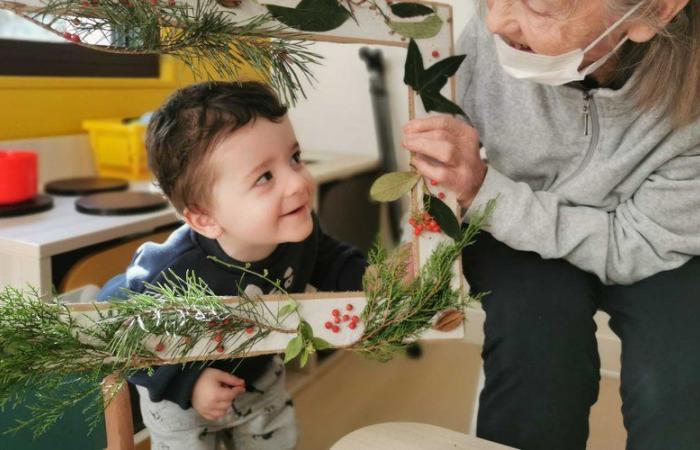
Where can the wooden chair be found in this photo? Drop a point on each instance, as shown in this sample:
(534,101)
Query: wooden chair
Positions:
(97,269)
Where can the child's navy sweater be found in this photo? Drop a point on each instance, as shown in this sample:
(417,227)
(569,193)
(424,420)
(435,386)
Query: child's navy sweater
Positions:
(319,260)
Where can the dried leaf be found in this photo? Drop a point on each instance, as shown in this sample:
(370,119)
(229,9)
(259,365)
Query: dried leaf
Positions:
(425,29)
(311,15)
(392,186)
(407,9)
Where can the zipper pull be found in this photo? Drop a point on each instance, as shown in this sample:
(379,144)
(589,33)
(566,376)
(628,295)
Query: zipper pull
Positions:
(586,111)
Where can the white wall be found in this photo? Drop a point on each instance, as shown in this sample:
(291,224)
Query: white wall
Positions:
(337,116)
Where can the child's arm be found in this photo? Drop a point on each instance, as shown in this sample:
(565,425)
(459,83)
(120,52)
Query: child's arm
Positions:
(339,266)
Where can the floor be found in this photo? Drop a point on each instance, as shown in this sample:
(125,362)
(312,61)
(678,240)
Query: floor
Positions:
(438,389)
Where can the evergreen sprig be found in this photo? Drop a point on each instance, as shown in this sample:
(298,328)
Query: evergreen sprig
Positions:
(398,311)
(211,41)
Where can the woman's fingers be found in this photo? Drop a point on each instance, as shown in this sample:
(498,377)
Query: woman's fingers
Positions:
(427,168)
(439,122)
(442,151)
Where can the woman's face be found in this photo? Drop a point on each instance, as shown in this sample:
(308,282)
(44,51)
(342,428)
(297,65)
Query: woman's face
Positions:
(554,27)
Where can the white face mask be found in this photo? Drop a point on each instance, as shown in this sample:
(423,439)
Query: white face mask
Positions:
(554,70)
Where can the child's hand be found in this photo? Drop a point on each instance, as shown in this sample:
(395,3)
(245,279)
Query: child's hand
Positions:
(214,392)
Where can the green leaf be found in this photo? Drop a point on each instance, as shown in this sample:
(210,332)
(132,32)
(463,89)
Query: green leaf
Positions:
(288,308)
(304,358)
(443,216)
(414,65)
(306,331)
(311,15)
(410,9)
(436,76)
(428,83)
(321,344)
(293,348)
(425,29)
(434,101)
(392,186)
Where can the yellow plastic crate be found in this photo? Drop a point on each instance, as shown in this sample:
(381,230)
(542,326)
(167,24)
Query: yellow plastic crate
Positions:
(119,148)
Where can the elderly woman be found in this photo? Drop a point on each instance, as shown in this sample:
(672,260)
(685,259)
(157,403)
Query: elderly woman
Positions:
(588,112)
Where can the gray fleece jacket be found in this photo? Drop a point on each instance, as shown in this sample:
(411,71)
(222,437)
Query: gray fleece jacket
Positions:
(581,175)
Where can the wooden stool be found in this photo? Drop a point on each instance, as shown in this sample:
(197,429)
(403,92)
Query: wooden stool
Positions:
(412,436)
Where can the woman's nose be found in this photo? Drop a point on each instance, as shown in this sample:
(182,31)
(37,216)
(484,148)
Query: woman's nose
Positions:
(500,19)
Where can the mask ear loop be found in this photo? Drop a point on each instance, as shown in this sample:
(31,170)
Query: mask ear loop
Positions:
(596,65)
(612,27)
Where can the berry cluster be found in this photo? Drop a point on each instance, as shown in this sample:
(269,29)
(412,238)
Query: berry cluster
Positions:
(218,334)
(338,319)
(424,222)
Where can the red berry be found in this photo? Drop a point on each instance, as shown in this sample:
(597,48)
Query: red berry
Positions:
(336,319)
(346,318)
(75,38)
(436,54)
(412,221)
(433,182)
(220,349)
(355,319)
(67,35)
(154,2)
(218,338)
(336,328)
(336,312)
(250,330)
(417,232)
(226,321)
(160,347)
(349,307)
(352,325)
(329,325)
(213,323)
(441,195)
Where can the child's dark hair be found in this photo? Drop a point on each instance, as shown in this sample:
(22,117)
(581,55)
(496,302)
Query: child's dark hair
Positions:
(184,131)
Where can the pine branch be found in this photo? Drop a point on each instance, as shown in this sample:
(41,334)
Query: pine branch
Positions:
(211,42)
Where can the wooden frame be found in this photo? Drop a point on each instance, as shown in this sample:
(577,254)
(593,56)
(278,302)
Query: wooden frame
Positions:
(368,28)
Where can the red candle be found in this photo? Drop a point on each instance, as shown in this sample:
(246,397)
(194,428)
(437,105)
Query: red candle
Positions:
(18,176)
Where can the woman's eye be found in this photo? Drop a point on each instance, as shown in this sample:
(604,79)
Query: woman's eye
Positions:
(296,158)
(264,178)
(537,7)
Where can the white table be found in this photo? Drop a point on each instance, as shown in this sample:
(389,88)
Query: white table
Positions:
(412,436)
(27,243)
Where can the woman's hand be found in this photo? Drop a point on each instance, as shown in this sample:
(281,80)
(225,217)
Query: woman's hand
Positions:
(446,150)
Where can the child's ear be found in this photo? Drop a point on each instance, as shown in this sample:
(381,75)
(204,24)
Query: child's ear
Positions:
(202,223)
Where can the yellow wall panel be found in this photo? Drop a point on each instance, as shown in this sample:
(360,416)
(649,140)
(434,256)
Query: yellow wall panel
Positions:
(52,106)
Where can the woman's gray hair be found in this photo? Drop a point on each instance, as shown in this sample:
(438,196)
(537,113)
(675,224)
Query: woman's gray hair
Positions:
(667,68)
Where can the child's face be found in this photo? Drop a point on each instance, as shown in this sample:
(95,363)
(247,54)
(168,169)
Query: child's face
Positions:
(263,194)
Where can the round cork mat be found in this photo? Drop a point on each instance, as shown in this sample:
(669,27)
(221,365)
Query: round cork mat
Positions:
(120,203)
(38,204)
(85,186)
